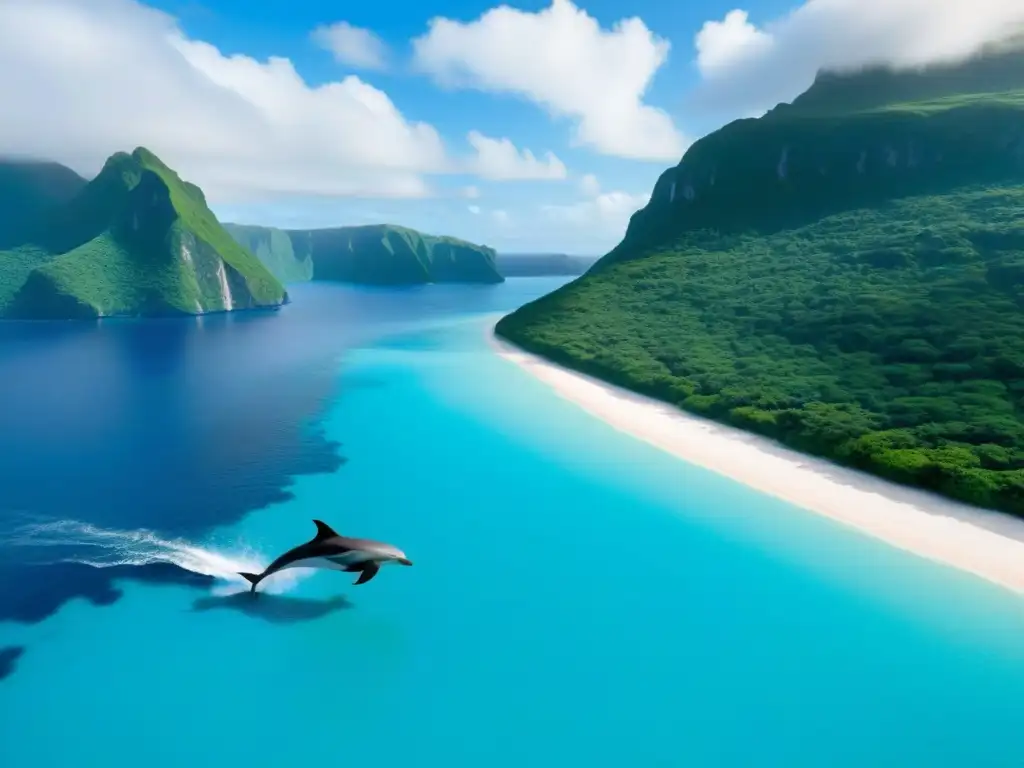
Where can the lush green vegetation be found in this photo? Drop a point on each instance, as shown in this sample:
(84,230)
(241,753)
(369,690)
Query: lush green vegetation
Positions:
(15,267)
(791,168)
(100,277)
(379,254)
(879,326)
(136,240)
(891,339)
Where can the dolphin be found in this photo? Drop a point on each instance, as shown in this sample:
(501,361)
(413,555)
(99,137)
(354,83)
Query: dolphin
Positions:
(331,551)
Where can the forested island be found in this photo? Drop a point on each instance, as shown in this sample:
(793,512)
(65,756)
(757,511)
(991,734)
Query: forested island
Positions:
(376,254)
(844,274)
(134,241)
(138,241)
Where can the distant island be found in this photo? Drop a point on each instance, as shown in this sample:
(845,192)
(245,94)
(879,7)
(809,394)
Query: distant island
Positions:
(541,264)
(377,254)
(27,190)
(135,241)
(844,274)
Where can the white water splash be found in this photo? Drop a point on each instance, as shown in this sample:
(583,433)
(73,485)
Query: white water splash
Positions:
(111,547)
(225,288)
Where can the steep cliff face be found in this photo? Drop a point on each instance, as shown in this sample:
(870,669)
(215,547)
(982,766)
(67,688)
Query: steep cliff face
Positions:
(849,141)
(380,254)
(134,241)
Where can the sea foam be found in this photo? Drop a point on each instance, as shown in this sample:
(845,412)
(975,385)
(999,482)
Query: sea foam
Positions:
(107,547)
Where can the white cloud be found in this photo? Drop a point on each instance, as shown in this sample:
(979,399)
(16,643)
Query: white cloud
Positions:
(352,45)
(498,159)
(608,212)
(561,59)
(470,192)
(79,81)
(601,214)
(721,43)
(590,186)
(474,209)
(747,68)
(500,216)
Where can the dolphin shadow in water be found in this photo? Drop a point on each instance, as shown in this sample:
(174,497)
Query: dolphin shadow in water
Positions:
(9,659)
(37,591)
(277,609)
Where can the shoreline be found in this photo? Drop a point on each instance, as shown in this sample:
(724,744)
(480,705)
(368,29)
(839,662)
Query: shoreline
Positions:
(982,542)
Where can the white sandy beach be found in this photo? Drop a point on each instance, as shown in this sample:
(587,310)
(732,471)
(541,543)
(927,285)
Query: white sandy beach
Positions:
(987,544)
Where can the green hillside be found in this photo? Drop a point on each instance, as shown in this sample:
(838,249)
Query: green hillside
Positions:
(136,240)
(380,254)
(28,189)
(849,282)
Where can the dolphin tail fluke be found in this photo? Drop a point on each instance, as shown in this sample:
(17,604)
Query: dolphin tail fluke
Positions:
(252,578)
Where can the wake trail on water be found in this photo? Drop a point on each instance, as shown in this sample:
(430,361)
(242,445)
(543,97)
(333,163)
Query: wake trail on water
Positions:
(108,547)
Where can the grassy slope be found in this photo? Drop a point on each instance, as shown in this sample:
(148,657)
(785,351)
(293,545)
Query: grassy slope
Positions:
(103,274)
(889,335)
(110,277)
(15,267)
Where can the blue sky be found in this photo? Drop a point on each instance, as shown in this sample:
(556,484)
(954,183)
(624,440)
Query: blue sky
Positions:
(264,28)
(307,113)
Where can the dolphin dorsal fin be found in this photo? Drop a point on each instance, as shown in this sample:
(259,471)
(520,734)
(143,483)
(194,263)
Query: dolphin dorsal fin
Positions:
(323,531)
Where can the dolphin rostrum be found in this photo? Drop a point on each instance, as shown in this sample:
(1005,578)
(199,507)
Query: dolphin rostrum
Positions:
(337,553)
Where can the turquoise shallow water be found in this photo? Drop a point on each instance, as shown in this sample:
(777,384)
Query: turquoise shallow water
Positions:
(578,598)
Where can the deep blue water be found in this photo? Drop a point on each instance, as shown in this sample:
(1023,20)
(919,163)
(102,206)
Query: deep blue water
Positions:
(578,598)
(179,426)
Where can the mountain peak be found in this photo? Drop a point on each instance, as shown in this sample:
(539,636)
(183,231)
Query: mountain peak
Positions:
(134,240)
(142,154)
(149,159)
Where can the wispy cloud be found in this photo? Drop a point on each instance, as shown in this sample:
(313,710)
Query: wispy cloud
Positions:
(498,159)
(355,46)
